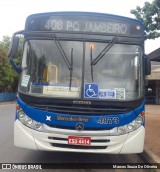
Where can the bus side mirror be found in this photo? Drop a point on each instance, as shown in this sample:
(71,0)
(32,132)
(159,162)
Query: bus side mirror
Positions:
(147,66)
(13,49)
(13,46)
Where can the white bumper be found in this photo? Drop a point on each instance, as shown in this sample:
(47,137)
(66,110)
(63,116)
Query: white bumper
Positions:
(56,140)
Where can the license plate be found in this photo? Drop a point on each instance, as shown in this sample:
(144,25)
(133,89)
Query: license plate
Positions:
(78,140)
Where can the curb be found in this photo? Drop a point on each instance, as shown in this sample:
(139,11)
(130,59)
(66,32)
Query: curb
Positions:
(149,157)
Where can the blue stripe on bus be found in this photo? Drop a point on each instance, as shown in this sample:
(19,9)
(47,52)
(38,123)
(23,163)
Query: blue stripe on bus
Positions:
(41,116)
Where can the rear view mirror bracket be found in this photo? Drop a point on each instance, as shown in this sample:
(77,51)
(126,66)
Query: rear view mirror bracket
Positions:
(16,68)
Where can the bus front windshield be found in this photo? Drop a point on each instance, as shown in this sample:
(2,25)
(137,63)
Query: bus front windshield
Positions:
(75,69)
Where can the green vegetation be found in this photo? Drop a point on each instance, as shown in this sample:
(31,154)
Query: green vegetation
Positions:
(8,77)
(149,15)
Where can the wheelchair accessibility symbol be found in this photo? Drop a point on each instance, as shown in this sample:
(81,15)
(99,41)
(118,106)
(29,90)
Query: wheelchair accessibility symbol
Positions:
(91,91)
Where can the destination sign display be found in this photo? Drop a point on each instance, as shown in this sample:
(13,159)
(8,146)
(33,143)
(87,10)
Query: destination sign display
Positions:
(87,26)
(93,24)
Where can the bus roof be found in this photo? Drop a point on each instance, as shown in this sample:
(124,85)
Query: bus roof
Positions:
(85,13)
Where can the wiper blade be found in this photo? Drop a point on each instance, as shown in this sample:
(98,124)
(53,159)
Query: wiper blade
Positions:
(71,70)
(59,46)
(104,51)
(65,58)
(91,63)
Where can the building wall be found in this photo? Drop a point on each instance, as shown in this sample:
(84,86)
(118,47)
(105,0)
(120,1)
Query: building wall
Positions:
(154,84)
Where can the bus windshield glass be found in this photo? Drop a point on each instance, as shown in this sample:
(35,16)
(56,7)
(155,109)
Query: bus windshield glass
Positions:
(117,75)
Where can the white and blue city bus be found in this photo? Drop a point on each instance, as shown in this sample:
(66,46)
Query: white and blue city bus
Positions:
(82,83)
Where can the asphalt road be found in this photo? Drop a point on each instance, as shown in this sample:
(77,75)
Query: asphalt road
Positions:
(11,154)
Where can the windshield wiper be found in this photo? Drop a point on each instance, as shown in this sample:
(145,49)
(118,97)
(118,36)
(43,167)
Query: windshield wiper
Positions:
(65,58)
(104,51)
(59,46)
(71,70)
(91,63)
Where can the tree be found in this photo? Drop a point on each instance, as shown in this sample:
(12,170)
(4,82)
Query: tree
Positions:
(7,74)
(6,42)
(9,78)
(3,53)
(149,15)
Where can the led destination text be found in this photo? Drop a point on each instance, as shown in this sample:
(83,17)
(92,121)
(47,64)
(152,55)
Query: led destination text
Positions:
(87,26)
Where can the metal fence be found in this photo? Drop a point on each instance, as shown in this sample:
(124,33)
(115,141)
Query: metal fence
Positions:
(5,97)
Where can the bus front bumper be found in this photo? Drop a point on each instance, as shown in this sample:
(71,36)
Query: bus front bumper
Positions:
(57,140)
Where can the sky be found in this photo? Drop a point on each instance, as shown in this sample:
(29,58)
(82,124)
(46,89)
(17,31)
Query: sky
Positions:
(13,13)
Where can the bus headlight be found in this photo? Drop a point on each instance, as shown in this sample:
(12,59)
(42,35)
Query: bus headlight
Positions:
(139,120)
(38,125)
(131,126)
(21,114)
(135,124)
(27,121)
(121,130)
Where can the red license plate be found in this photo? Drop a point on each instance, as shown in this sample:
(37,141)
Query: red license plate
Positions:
(78,140)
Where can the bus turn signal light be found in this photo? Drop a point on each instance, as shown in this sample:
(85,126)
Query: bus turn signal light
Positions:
(142,113)
(17,107)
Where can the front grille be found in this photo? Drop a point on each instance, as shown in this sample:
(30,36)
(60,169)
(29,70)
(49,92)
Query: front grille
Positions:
(93,141)
(77,146)
(70,146)
(73,128)
(80,109)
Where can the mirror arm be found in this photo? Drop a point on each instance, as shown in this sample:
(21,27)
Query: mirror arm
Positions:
(16,68)
(21,32)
